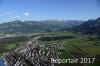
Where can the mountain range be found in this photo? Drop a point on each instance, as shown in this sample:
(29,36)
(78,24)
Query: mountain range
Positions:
(89,27)
(18,26)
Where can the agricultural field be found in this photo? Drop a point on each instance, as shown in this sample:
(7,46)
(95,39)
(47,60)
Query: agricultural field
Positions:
(10,43)
(74,47)
(11,46)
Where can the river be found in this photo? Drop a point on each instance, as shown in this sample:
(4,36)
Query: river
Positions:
(1,62)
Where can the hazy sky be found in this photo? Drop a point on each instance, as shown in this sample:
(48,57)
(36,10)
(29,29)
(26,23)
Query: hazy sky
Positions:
(49,9)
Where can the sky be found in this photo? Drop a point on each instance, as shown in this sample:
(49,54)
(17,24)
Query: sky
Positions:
(48,9)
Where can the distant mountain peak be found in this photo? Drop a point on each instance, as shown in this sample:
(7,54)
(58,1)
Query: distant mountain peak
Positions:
(90,26)
(98,19)
(17,21)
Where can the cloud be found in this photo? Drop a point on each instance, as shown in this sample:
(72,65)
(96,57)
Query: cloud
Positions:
(18,17)
(26,14)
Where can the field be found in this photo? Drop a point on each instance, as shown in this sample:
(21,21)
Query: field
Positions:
(75,47)
(11,46)
(10,43)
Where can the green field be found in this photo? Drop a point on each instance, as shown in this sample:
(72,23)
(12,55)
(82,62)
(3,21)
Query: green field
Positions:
(77,44)
(10,43)
(11,46)
(77,47)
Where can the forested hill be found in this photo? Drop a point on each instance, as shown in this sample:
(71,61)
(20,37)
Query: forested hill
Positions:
(90,26)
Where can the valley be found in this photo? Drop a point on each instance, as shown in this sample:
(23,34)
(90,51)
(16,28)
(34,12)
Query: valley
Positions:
(36,43)
(62,45)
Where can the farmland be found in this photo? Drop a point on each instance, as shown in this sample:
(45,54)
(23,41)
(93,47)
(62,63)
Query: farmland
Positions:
(75,47)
